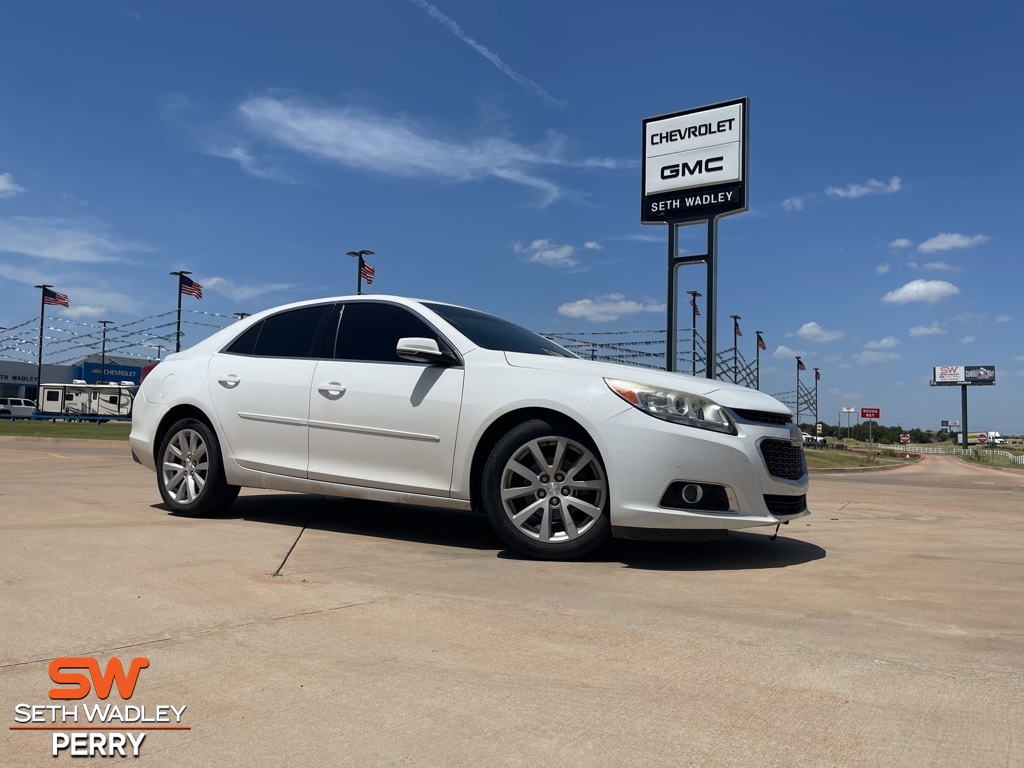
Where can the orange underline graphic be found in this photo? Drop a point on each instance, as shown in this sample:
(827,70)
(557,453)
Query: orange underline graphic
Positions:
(125,727)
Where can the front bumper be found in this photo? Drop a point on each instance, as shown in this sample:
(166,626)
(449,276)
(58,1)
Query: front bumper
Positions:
(646,458)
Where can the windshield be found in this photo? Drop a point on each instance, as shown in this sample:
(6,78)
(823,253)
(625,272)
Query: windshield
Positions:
(492,332)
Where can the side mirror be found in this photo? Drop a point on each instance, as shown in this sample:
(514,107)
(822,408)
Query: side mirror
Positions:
(423,350)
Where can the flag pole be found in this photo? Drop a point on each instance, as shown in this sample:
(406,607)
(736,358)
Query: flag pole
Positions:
(39,359)
(798,362)
(177,331)
(758,374)
(735,347)
(358,255)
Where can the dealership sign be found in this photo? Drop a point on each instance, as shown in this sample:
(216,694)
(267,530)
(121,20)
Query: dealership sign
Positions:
(695,163)
(954,375)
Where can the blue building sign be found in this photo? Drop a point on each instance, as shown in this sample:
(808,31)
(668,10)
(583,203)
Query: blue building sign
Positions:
(113,373)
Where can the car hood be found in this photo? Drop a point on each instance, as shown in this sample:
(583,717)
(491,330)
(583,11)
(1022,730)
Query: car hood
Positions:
(722,392)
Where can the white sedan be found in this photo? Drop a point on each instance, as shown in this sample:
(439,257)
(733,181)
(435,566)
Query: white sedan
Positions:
(420,402)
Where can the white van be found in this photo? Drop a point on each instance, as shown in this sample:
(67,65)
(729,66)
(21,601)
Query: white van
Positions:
(16,406)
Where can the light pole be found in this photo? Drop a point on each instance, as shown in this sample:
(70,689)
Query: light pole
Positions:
(817,378)
(760,345)
(799,367)
(242,315)
(694,295)
(177,332)
(39,361)
(103,351)
(359,269)
(736,333)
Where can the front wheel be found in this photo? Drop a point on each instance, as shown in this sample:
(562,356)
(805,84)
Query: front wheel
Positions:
(191,472)
(545,492)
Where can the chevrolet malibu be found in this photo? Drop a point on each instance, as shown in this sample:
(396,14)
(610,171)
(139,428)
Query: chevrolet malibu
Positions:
(425,403)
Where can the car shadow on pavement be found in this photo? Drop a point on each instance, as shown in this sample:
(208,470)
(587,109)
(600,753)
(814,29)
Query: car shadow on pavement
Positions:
(741,551)
(471,531)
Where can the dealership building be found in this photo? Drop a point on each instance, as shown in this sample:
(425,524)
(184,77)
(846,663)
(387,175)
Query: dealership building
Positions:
(19,379)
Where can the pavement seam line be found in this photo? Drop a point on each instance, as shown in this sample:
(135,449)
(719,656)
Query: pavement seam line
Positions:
(299,536)
(201,632)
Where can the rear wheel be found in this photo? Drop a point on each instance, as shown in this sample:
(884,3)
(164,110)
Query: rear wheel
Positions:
(190,474)
(545,491)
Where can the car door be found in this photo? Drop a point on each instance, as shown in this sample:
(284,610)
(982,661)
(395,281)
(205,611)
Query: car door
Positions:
(259,386)
(375,419)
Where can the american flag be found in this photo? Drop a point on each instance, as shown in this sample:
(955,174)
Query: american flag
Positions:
(55,299)
(736,327)
(800,365)
(817,375)
(761,344)
(190,286)
(696,309)
(366,272)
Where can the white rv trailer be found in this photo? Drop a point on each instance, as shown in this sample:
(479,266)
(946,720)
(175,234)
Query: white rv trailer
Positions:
(81,399)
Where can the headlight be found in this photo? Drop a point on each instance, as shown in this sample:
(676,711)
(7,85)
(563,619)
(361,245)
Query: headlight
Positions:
(672,405)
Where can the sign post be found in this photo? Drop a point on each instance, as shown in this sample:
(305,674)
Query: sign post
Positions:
(872,415)
(695,170)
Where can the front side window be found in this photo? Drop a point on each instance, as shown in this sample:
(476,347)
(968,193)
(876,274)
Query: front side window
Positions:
(288,334)
(370,332)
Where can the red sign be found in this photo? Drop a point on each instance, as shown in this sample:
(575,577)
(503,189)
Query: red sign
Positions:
(904,438)
(982,437)
(870,413)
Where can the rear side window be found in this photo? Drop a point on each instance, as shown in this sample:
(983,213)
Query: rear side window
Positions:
(294,333)
(370,332)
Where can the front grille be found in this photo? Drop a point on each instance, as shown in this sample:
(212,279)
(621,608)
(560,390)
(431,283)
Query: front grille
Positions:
(764,417)
(785,505)
(783,459)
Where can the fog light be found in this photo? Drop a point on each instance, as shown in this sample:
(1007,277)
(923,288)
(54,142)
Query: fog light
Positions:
(692,493)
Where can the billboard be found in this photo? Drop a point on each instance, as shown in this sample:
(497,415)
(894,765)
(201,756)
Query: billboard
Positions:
(695,163)
(958,375)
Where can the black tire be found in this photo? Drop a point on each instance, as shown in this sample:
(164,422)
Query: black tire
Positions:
(190,471)
(555,510)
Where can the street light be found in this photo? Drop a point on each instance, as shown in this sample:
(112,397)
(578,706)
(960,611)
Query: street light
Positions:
(694,295)
(735,347)
(359,268)
(242,315)
(103,352)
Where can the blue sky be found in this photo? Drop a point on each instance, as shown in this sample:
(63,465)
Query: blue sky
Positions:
(490,154)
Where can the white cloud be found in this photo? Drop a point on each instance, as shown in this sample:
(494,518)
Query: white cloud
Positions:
(1004,319)
(941,266)
(972,319)
(80,240)
(261,169)
(848,396)
(930,291)
(642,238)
(882,269)
(947,241)
(604,309)
(869,187)
(814,332)
(793,203)
(545,252)
(592,246)
(83,311)
(492,57)
(901,242)
(926,330)
(241,292)
(783,352)
(872,357)
(8,187)
(396,147)
(889,342)
(967,340)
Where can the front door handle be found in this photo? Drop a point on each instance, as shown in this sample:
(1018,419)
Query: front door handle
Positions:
(331,390)
(230,381)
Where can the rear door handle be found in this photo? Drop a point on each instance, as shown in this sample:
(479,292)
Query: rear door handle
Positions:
(230,381)
(331,389)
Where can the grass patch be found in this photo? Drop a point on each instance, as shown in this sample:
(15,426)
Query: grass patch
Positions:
(73,430)
(992,460)
(818,459)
